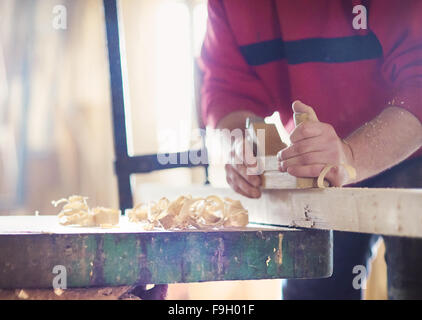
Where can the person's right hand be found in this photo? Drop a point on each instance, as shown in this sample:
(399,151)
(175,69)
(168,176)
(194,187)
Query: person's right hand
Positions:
(240,171)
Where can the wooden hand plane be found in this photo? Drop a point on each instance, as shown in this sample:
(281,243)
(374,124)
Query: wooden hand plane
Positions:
(266,144)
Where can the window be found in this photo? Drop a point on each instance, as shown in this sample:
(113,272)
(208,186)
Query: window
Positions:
(163,38)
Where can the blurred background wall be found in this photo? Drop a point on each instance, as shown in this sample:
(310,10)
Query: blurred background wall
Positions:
(55,112)
(56,109)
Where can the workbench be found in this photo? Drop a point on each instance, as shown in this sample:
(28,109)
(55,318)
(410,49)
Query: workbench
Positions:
(30,247)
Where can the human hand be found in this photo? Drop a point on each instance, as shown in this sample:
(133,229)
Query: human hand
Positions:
(240,171)
(315,144)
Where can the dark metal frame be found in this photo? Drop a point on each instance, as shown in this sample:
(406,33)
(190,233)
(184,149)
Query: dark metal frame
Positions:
(125,164)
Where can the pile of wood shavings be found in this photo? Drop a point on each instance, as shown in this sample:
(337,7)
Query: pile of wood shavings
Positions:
(186,212)
(76,212)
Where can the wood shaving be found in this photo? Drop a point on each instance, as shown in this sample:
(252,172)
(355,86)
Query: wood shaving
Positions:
(183,213)
(186,212)
(75,211)
(351,171)
(23,295)
(58,292)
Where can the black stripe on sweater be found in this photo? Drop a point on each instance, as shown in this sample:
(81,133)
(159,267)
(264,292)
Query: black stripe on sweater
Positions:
(328,50)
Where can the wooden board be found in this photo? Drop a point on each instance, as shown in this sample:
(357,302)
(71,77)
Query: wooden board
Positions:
(272,178)
(31,246)
(283,180)
(380,211)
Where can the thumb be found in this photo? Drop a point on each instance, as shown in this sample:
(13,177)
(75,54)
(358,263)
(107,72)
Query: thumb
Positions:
(299,107)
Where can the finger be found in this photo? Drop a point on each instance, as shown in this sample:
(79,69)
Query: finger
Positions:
(235,186)
(307,171)
(306,130)
(240,185)
(299,107)
(254,180)
(317,157)
(302,147)
(248,166)
(313,171)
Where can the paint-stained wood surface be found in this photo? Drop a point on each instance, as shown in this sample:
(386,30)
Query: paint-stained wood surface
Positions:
(107,293)
(31,246)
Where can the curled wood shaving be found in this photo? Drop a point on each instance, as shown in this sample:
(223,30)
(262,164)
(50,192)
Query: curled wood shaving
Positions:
(75,211)
(350,171)
(23,295)
(187,212)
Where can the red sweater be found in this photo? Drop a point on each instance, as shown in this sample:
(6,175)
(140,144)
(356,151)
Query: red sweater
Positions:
(261,55)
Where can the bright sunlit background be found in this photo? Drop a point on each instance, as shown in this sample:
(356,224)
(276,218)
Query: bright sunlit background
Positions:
(174,75)
(180,29)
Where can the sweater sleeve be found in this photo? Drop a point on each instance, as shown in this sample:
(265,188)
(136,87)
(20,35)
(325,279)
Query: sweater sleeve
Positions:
(398,26)
(229,83)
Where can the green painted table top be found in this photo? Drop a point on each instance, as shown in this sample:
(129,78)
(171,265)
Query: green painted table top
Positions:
(30,247)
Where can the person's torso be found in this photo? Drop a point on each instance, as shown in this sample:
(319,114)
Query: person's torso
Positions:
(309,50)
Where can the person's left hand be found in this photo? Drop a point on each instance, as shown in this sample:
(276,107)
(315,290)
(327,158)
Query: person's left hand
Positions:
(315,144)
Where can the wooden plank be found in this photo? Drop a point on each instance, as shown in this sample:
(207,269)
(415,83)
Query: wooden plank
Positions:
(122,256)
(380,211)
(272,178)
(283,180)
(268,163)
